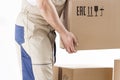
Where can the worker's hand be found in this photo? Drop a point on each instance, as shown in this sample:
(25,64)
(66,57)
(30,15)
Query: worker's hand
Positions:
(69,41)
(50,14)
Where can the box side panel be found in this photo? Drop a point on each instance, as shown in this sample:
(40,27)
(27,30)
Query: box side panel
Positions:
(117,70)
(55,72)
(93,74)
(95,23)
(67,74)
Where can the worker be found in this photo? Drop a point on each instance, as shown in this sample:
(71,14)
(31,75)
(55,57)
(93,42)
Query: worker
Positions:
(35,35)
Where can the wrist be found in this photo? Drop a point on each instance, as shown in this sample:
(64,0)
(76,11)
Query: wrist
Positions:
(63,32)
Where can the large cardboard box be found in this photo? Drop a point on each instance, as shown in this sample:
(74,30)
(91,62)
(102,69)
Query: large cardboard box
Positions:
(96,23)
(117,69)
(69,73)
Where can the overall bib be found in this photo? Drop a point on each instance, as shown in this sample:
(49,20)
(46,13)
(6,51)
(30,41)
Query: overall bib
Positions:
(35,42)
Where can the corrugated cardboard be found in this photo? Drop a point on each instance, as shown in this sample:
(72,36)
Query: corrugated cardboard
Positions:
(64,73)
(117,69)
(99,30)
(55,73)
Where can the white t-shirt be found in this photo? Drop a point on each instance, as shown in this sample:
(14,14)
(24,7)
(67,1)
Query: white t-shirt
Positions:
(32,2)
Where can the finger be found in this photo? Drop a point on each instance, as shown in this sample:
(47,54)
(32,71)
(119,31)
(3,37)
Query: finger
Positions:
(72,47)
(71,50)
(67,49)
(75,41)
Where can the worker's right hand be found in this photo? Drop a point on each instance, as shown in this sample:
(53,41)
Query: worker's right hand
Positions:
(69,41)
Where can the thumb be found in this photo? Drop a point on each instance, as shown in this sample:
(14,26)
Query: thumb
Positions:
(75,41)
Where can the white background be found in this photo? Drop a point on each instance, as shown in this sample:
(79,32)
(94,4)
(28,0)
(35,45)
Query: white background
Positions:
(9,69)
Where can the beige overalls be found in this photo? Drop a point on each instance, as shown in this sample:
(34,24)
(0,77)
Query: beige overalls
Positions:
(35,41)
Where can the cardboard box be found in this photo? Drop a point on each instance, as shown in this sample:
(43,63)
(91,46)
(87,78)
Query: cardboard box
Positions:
(96,23)
(55,73)
(117,69)
(67,73)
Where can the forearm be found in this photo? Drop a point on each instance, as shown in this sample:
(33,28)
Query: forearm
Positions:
(48,11)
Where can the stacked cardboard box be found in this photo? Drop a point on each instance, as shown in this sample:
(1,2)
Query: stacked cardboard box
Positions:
(70,73)
(117,69)
(96,23)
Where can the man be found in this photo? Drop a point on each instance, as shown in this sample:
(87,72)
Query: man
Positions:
(35,36)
